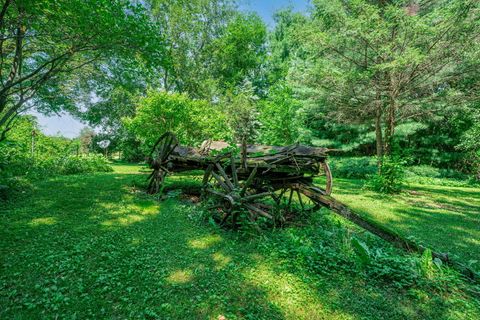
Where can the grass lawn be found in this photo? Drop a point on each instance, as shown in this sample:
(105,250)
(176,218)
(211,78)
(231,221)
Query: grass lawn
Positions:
(94,246)
(445,218)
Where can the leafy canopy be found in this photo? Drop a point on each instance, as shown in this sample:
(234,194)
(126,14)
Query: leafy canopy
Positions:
(191,120)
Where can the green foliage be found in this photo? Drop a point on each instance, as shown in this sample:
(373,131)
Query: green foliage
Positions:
(28,155)
(391,178)
(470,142)
(279,117)
(331,250)
(358,62)
(242,114)
(432,172)
(193,30)
(47,45)
(83,164)
(353,167)
(240,51)
(283,44)
(191,120)
(362,251)
(425,264)
(11,186)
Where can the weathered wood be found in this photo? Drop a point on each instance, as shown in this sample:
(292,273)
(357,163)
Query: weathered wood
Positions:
(248,182)
(262,170)
(265,169)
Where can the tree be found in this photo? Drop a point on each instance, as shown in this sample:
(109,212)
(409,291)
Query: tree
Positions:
(281,123)
(193,32)
(385,62)
(86,137)
(283,45)
(470,143)
(192,120)
(242,115)
(44,42)
(191,28)
(240,53)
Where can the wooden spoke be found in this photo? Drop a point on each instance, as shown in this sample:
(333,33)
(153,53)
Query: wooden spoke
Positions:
(215,192)
(221,182)
(256,196)
(159,155)
(300,199)
(328,174)
(225,217)
(224,175)
(258,211)
(206,176)
(172,147)
(283,192)
(234,171)
(290,198)
(248,182)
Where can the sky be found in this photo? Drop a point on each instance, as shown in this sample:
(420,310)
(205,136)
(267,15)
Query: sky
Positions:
(266,8)
(67,126)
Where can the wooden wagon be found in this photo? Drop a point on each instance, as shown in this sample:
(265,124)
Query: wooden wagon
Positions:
(266,181)
(263,181)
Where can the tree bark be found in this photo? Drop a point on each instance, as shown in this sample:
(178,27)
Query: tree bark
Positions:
(378,132)
(391,117)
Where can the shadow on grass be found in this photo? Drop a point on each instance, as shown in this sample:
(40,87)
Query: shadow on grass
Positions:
(462,192)
(82,246)
(87,246)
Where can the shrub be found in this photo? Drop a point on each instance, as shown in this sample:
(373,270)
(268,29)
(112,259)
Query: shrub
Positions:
(391,178)
(9,187)
(191,120)
(358,168)
(84,164)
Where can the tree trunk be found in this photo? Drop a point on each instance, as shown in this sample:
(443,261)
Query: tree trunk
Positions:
(378,133)
(390,125)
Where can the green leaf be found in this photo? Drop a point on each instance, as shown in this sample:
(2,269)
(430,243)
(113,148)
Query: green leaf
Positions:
(362,251)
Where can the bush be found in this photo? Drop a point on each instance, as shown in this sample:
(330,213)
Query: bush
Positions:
(391,178)
(84,164)
(357,168)
(17,173)
(9,187)
(191,120)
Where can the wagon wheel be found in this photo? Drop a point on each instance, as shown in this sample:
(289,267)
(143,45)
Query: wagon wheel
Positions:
(159,161)
(233,195)
(291,201)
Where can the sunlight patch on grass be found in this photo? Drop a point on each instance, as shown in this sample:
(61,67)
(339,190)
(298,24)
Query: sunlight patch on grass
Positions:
(180,277)
(136,241)
(124,220)
(145,207)
(221,260)
(128,169)
(42,221)
(205,242)
(289,293)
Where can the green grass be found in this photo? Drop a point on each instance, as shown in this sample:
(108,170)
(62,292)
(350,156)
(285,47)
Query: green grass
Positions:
(95,246)
(445,218)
